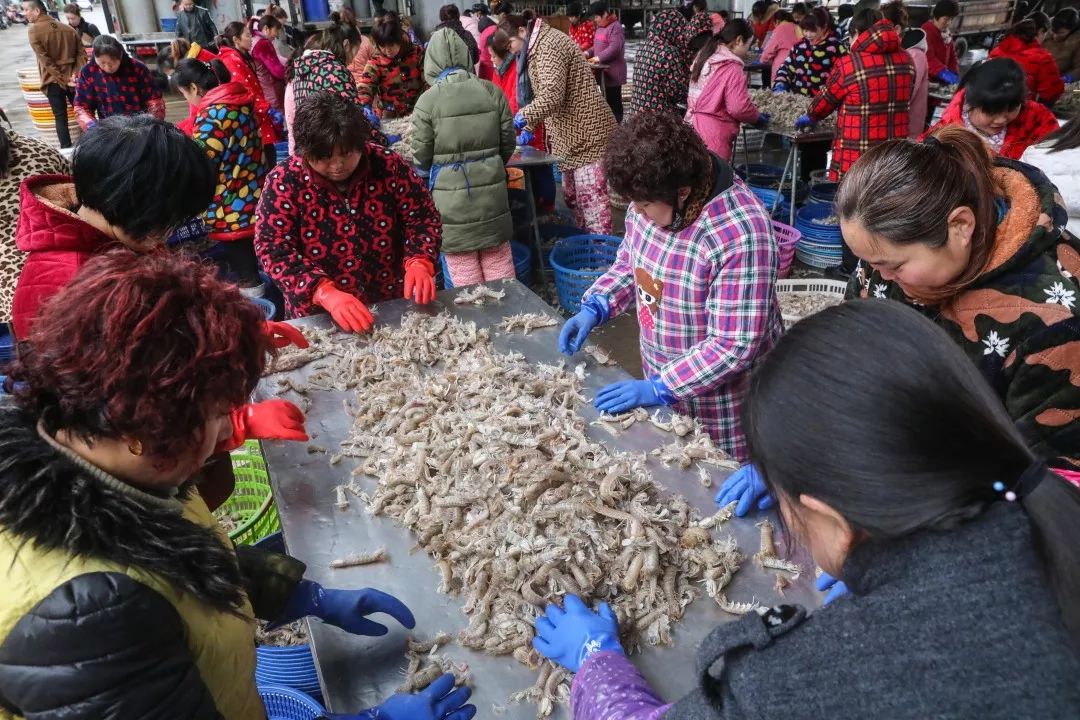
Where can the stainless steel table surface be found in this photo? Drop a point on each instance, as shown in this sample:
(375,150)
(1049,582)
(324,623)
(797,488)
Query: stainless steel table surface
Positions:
(358,672)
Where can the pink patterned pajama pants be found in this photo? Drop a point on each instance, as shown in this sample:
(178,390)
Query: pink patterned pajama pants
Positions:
(472,268)
(586,193)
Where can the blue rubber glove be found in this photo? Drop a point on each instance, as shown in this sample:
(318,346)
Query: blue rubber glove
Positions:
(438,701)
(803,122)
(524,138)
(745,487)
(779,88)
(372,117)
(393,139)
(948,77)
(346,608)
(1067,79)
(593,312)
(763,120)
(570,634)
(836,588)
(519,121)
(389,107)
(629,394)
(276,116)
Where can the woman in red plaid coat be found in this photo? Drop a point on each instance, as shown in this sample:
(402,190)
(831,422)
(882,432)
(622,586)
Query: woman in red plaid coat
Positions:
(870,88)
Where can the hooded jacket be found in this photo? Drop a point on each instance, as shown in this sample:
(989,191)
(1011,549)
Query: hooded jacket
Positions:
(718,102)
(1018,321)
(871,89)
(565,98)
(226,128)
(1066,53)
(396,82)
(810,65)
(57,241)
(269,70)
(1033,123)
(915,42)
(109,611)
(463,135)
(321,70)
(662,67)
(1043,77)
(242,70)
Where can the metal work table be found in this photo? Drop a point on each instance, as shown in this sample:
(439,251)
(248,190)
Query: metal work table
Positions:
(598,69)
(526,157)
(791,165)
(358,672)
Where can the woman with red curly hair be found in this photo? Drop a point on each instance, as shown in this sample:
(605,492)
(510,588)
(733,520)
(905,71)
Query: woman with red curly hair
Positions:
(128,600)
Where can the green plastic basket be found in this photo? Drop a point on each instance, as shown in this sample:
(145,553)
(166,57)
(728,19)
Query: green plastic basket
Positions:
(251,506)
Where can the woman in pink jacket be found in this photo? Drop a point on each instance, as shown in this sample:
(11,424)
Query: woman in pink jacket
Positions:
(268,67)
(780,41)
(718,100)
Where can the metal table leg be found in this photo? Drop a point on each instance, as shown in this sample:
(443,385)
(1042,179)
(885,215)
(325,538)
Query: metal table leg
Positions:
(794,180)
(534,220)
(745,149)
(783,176)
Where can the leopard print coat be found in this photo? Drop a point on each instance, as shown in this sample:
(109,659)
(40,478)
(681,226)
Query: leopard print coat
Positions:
(27,157)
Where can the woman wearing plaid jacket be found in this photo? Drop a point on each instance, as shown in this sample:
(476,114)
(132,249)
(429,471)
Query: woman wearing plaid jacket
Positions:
(700,260)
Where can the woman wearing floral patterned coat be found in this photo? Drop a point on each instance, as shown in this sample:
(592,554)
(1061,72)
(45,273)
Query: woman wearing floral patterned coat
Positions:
(976,242)
(699,260)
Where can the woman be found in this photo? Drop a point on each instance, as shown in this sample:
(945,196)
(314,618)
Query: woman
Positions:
(136,178)
(136,373)
(88,32)
(582,29)
(699,261)
(450,17)
(393,79)
(1058,156)
(268,67)
(662,67)
(506,77)
(345,222)
(718,101)
(763,19)
(979,246)
(20,157)
(488,27)
(870,91)
(1023,43)
(234,51)
(941,53)
(226,129)
(285,44)
(784,37)
(557,88)
(609,48)
(463,135)
(994,104)
(914,42)
(914,504)
(114,84)
(811,61)
(1064,43)
(698,19)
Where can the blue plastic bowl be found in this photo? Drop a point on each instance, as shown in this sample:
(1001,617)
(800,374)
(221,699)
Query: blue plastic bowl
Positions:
(813,232)
(823,192)
(268,308)
(760,174)
(578,262)
(284,703)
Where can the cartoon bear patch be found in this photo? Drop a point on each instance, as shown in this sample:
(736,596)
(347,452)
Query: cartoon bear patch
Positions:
(649,291)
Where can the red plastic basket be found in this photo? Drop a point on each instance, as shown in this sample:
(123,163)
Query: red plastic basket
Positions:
(787,238)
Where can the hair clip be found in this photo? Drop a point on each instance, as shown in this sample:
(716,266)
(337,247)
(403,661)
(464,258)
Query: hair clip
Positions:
(1025,484)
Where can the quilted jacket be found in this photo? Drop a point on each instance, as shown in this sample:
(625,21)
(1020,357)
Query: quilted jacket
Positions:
(566,99)
(396,82)
(1032,124)
(128,91)
(1066,53)
(242,70)
(809,65)
(57,240)
(1043,77)
(870,89)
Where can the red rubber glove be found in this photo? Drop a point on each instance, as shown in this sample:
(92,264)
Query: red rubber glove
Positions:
(348,312)
(268,420)
(282,334)
(419,280)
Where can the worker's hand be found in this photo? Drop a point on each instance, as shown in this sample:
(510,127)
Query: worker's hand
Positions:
(524,138)
(836,588)
(803,122)
(268,420)
(577,328)
(948,77)
(745,487)
(519,121)
(629,394)
(372,117)
(1067,79)
(439,701)
(763,121)
(348,312)
(779,88)
(282,334)
(419,280)
(570,634)
(276,117)
(346,609)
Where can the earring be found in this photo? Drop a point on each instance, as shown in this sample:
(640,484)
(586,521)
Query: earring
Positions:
(135,448)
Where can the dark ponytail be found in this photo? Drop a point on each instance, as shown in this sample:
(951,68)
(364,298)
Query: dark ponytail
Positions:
(927,451)
(903,192)
(205,76)
(512,23)
(228,36)
(733,30)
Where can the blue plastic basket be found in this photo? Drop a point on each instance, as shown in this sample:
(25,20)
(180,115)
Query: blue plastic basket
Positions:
(760,174)
(823,193)
(7,344)
(815,233)
(281,149)
(268,308)
(284,703)
(578,262)
(168,25)
(291,667)
(522,264)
